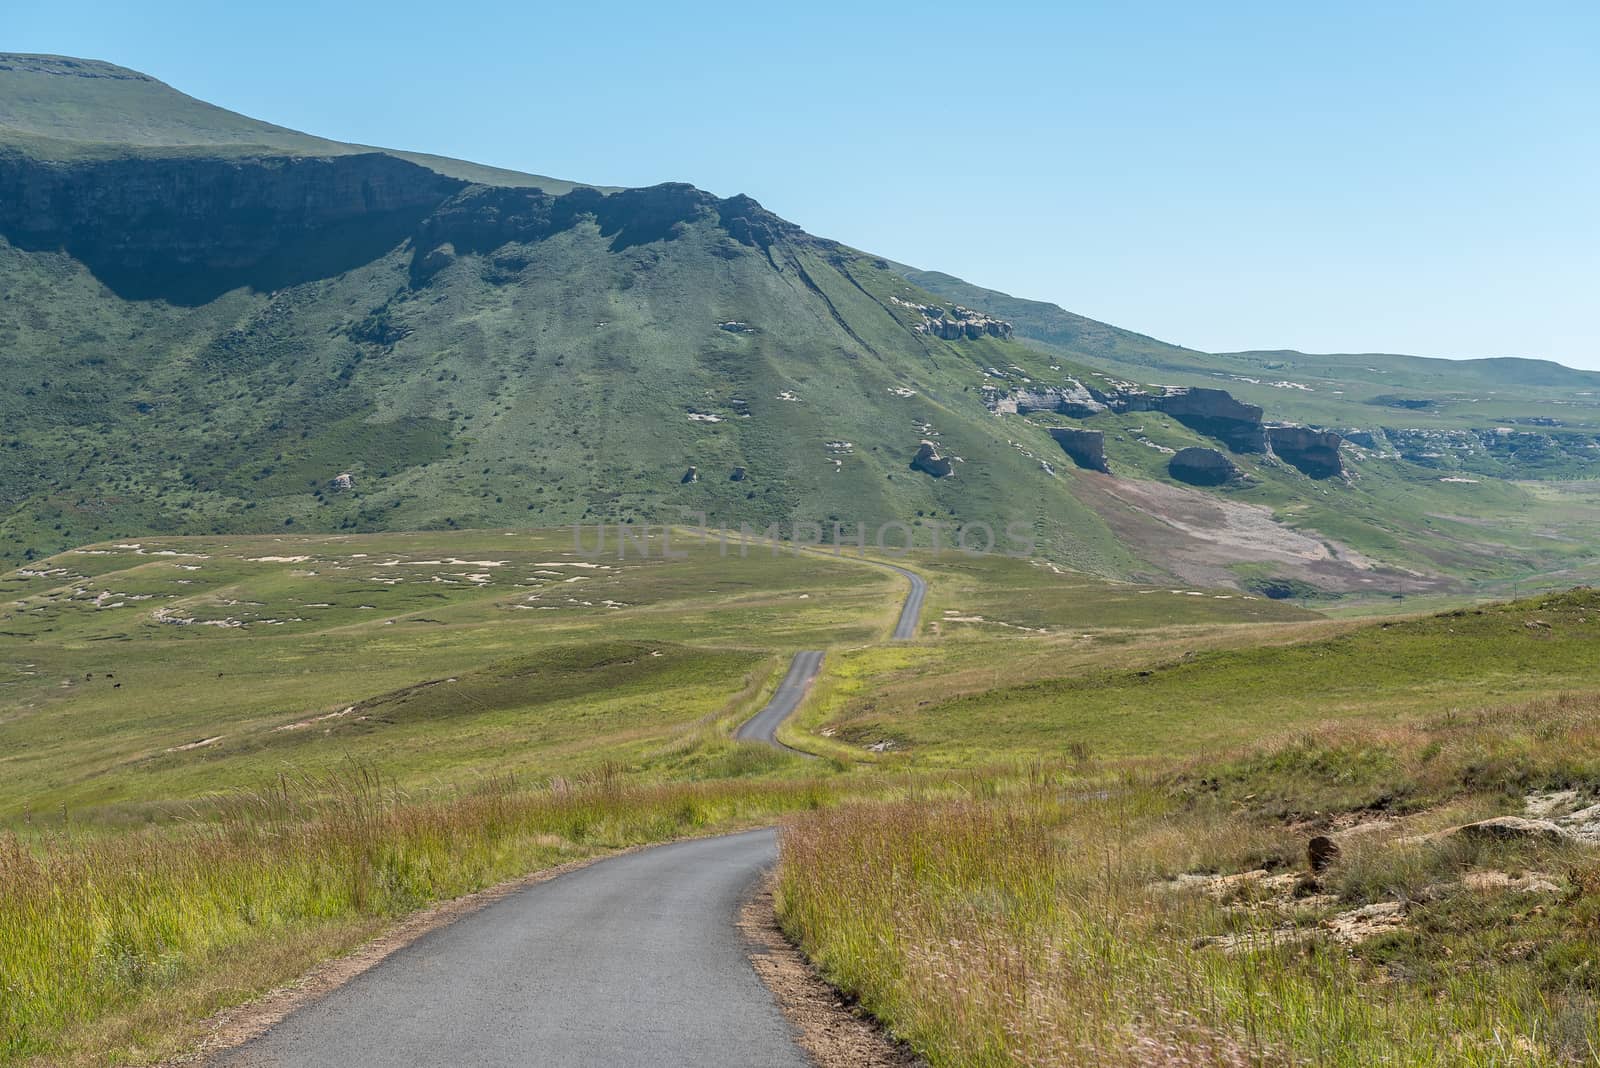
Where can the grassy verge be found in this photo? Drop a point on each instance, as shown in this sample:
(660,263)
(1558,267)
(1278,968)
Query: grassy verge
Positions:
(113,948)
(1170,917)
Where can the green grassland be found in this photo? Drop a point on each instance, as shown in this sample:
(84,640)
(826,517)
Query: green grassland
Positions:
(1204,692)
(470,369)
(445,710)
(440,658)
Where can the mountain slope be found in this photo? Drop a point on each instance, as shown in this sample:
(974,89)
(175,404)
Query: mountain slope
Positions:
(1505,417)
(58,106)
(203,332)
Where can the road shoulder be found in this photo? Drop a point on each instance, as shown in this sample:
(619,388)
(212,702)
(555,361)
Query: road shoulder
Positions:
(829,1029)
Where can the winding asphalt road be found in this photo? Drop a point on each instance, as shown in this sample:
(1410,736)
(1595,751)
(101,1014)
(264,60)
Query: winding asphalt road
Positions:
(803,669)
(763,726)
(906,628)
(633,962)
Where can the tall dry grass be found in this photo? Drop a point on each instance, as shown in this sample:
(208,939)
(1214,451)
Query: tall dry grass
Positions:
(93,924)
(1033,927)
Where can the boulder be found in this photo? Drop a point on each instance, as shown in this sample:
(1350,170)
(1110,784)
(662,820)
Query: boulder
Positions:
(1321,852)
(928,461)
(691,475)
(1202,467)
(1314,453)
(341,482)
(736,475)
(1086,447)
(1509,829)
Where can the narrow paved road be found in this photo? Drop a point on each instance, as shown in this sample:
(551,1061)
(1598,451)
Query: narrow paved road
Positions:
(633,962)
(911,612)
(630,963)
(763,727)
(803,670)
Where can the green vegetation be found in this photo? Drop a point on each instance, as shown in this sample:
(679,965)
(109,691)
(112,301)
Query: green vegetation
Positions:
(307,671)
(521,351)
(228,758)
(1118,695)
(120,946)
(1078,914)
(138,676)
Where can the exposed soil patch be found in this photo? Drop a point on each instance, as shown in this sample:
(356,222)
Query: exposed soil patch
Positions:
(1201,537)
(831,1032)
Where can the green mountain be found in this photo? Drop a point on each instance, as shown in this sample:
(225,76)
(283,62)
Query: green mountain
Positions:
(213,324)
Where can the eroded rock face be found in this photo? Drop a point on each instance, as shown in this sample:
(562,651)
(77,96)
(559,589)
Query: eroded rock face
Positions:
(1074,399)
(1216,414)
(1313,452)
(929,462)
(145,224)
(1212,412)
(1202,467)
(1086,447)
(954,323)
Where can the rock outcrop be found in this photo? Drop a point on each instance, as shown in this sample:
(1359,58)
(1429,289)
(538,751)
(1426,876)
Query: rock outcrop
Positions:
(955,323)
(930,462)
(341,482)
(1314,453)
(1212,412)
(1086,447)
(1216,414)
(191,227)
(1074,399)
(1202,467)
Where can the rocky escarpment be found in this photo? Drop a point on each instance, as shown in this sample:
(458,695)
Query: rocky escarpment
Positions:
(480,219)
(189,227)
(192,227)
(1314,453)
(1086,447)
(953,322)
(1212,412)
(1202,467)
(1074,399)
(930,462)
(1216,414)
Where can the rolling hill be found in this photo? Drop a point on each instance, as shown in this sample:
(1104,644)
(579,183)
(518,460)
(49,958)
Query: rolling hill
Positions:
(211,324)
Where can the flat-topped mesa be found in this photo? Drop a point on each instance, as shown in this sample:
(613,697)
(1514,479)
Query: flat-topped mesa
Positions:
(955,323)
(1315,453)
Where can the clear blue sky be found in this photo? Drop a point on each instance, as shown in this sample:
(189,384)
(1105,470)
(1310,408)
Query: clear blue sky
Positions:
(1402,177)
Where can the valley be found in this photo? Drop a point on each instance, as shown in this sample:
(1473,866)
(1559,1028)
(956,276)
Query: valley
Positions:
(471,616)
